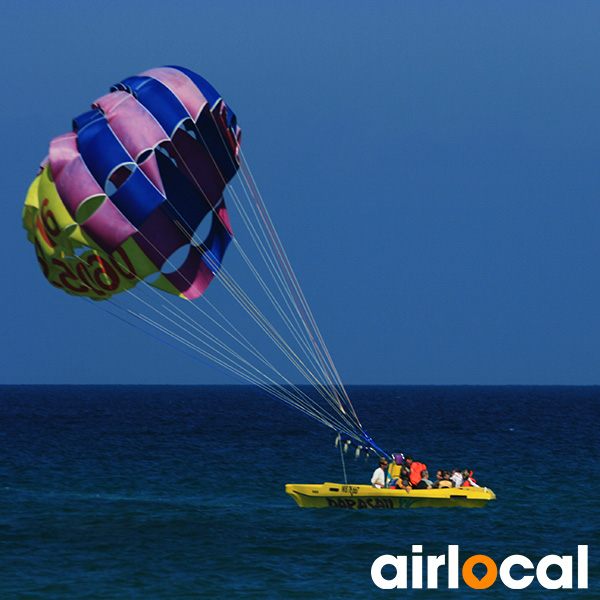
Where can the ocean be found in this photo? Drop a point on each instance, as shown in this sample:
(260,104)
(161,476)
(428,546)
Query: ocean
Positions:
(177,492)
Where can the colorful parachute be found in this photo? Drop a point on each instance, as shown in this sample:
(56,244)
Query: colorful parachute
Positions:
(129,187)
(133,200)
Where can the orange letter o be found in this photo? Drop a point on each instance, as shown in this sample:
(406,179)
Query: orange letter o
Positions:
(487,580)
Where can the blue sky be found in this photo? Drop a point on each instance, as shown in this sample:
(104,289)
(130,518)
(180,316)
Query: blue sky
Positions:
(432,169)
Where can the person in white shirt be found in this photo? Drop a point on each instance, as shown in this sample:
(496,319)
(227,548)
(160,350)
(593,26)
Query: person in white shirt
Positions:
(381,476)
(457,478)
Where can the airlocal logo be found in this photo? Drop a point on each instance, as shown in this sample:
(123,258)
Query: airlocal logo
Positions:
(515,580)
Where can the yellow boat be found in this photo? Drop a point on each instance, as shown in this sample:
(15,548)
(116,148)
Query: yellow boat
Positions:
(340,495)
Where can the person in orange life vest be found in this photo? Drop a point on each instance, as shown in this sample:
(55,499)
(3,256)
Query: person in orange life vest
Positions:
(468,480)
(415,469)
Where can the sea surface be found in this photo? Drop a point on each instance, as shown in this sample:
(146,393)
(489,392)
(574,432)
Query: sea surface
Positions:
(176,492)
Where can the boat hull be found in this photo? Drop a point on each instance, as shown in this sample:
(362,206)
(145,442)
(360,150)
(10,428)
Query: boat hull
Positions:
(337,495)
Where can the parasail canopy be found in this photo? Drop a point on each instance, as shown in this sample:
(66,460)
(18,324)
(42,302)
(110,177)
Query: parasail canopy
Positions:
(130,185)
(131,204)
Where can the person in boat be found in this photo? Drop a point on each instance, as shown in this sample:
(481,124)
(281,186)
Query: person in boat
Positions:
(442,479)
(445,481)
(468,480)
(425,483)
(381,477)
(415,469)
(457,478)
(403,482)
(438,477)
